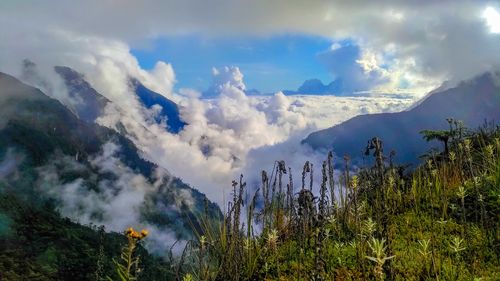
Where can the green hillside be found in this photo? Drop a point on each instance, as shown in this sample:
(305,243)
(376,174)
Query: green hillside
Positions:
(36,243)
(44,151)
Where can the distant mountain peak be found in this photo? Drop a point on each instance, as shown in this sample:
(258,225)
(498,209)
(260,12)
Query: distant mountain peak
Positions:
(169,109)
(31,75)
(315,86)
(472,101)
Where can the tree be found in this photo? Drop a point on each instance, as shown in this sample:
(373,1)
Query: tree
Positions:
(440,135)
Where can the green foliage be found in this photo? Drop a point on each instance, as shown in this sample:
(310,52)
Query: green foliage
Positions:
(43,246)
(440,221)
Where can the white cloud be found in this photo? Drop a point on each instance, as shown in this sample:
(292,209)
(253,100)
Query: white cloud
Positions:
(225,78)
(115,202)
(443,39)
(161,79)
(492,17)
(213,148)
(335,46)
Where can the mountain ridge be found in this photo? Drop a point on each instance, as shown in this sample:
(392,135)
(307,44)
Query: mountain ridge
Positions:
(90,104)
(169,109)
(315,86)
(46,133)
(400,131)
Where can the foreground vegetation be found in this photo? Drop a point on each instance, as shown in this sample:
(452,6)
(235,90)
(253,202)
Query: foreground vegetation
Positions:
(438,222)
(37,244)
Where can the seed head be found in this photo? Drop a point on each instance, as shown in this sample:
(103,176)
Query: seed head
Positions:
(489,150)
(452,156)
(354,182)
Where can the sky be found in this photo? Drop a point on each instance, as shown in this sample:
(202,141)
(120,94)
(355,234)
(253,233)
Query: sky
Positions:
(401,46)
(270,63)
(273,62)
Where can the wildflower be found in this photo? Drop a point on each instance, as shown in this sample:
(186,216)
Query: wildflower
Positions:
(368,227)
(128,267)
(489,150)
(378,248)
(442,221)
(272,238)
(247,244)
(354,182)
(132,234)
(457,244)
(467,144)
(461,192)
(391,181)
(434,172)
(188,277)
(452,156)
(203,240)
(129,231)
(424,247)
(453,207)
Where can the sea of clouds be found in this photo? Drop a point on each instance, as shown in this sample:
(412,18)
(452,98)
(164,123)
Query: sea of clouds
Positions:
(225,135)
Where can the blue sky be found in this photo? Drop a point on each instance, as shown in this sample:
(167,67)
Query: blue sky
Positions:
(269,64)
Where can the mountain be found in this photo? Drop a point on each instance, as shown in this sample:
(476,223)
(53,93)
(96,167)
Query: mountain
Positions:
(252,92)
(169,109)
(316,87)
(472,102)
(48,154)
(36,243)
(90,104)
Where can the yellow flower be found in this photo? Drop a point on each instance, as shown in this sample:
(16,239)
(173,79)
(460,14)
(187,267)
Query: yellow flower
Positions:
(272,238)
(129,231)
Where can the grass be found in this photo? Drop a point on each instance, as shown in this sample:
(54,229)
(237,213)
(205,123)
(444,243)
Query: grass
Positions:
(439,221)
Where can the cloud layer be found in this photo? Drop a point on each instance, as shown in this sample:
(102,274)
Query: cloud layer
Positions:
(117,198)
(412,42)
(214,147)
